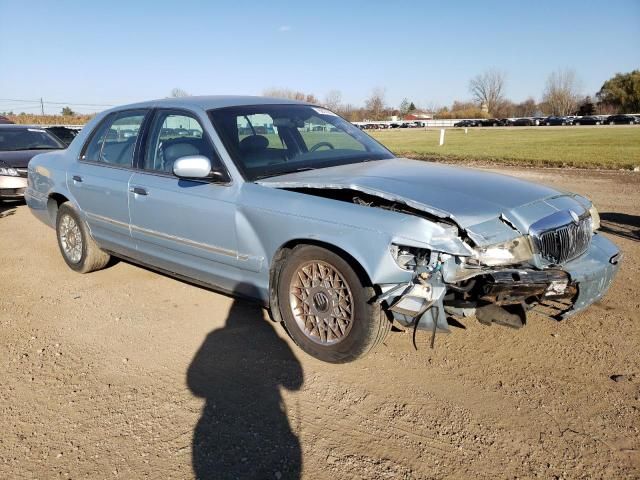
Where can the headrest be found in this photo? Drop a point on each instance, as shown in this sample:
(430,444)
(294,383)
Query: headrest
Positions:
(177,150)
(254,142)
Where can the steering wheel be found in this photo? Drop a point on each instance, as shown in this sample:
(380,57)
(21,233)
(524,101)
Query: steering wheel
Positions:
(320,145)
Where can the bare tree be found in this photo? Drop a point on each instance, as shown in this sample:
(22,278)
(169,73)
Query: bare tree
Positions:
(488,89)
(561,92)
(432,106)
(178,92)
(376,103)
(404,106)
(333,99)
(290,94)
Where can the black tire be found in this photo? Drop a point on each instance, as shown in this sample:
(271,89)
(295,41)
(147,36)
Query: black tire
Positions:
(92,257)
(369,325)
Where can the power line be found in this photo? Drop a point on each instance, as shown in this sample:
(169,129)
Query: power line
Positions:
(33,109)
(40,101)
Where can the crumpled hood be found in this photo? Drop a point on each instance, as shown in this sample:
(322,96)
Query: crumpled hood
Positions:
(476,200)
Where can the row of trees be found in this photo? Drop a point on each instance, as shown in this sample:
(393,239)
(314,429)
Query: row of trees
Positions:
(561,96)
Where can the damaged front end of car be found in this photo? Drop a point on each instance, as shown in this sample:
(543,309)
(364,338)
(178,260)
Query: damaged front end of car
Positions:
(488,261)
(561,266)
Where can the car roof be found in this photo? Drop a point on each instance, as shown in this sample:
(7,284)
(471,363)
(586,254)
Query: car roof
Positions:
(210,102)
(18,126)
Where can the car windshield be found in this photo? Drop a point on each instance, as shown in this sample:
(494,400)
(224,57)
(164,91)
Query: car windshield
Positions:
(13,139)
(270,140)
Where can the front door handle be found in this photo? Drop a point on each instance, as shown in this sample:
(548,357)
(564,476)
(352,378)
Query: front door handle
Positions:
(138,191)
(77,178)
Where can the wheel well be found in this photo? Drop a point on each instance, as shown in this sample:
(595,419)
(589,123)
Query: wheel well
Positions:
(54,202)
(346,256)
(278,261)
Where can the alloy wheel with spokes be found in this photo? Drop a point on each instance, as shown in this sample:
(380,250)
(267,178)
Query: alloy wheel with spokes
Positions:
(79,250)
(70,238)
(321,302)
(326,304)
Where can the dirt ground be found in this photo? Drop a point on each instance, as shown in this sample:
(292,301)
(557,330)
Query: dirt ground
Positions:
(125,373)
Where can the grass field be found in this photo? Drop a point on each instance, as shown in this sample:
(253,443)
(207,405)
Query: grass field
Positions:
(585,147)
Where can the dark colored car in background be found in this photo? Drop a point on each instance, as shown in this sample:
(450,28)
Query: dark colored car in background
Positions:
(5,121)
(467,123)
(622,119)
(65,134)
(491,122)
(555,121)
(588,120)
(18,144)
(522,122)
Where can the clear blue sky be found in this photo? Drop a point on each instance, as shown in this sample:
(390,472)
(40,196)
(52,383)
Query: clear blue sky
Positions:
(122,51)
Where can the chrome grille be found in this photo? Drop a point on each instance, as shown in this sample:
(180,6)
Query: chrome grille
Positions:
(22,172)
(565,242)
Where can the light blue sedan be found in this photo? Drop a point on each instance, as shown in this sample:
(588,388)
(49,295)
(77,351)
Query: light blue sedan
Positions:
(288,204)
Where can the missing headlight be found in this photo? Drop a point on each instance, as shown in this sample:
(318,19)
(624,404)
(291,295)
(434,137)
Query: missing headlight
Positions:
(410,258)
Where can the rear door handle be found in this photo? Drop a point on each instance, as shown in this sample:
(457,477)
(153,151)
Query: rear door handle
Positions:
(138,191)
(77,178)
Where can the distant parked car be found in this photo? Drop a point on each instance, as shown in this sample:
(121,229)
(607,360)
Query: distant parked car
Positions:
(490,122)
(622,119)
(554,121)
(65,134)
(588,120)
(18,144)
(5,121)
(522,122)
(466,123)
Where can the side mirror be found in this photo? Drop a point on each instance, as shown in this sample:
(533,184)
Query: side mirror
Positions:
(192,166)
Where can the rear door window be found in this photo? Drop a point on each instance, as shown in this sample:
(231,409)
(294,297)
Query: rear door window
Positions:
(114,140)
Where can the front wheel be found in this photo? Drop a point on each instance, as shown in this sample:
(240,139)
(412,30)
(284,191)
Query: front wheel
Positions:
(327,308)
(79,250)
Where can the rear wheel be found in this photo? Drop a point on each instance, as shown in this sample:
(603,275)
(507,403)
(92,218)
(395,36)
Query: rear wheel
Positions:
(78,249)
(327,308)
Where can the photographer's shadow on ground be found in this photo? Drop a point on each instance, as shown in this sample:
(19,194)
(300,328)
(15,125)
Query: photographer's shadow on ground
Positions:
(244,431)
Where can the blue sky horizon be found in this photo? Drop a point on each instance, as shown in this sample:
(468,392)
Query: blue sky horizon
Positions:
(108,54)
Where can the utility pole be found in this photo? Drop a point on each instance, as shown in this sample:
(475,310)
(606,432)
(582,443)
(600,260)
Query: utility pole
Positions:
(41,106)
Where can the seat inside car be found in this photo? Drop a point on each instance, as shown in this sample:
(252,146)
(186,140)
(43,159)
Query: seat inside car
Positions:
(118,152)
(255,151)
(180,147)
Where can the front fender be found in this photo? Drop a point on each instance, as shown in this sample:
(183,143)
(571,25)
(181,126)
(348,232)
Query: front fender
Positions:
(268,218)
